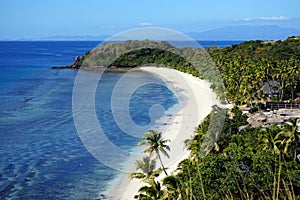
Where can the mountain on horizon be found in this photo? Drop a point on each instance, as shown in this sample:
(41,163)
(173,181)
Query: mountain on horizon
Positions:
(68,38)
(246,32)
(238,33)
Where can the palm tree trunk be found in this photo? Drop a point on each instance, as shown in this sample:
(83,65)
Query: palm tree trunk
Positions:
(282,89)
(293,87)
(295,146)
(157,153)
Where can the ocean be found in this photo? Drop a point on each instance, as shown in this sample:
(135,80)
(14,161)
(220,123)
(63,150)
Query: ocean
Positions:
(41,154)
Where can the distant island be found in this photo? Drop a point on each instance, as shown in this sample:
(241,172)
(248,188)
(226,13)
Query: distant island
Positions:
(236,32)
(246,32)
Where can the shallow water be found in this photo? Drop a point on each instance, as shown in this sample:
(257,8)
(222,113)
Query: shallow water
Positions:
(42,156)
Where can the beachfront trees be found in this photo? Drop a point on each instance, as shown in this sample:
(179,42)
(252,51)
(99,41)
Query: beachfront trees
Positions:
(146,165)
(147,168)
(151,192)
(250,163)
(156,144)
(147,174)
(245,163)
(172,187)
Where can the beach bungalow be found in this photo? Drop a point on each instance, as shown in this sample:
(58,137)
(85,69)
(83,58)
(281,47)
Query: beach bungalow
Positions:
(270,89)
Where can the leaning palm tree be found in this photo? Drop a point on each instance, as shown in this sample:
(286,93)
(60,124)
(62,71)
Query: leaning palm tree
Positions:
(156,144)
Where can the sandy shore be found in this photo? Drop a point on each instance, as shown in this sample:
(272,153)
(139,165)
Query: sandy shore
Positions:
(196,100)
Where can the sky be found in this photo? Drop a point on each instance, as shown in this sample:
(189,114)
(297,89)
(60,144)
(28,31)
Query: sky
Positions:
(43,18)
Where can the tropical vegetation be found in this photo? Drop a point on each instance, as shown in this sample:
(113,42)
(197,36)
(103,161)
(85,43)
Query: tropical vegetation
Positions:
(237,73)
(240,161)
(249,163)
(155,144)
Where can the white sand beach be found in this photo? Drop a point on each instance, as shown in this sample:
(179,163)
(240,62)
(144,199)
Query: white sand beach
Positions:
(194,107)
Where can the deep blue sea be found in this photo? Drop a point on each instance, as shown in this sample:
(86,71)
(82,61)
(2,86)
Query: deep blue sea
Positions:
(41,154)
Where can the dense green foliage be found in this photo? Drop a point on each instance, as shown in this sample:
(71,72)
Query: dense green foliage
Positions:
(252,163)
(244,68)
(146,56)
(133,53)
(106,54)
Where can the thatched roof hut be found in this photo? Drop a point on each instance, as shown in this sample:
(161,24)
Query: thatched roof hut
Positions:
(260,117)
(270,88)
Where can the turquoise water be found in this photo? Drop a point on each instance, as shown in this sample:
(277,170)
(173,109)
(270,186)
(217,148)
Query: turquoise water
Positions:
(42,156)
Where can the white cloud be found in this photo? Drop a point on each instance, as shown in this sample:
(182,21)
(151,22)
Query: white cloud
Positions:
(145,24)
(248,19)
(280,18)
(274,18)
(244,20)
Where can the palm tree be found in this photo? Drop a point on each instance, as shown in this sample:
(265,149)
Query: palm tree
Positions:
(292,137)
(147,166)
(293,71)
(172,184)
(194,144)
(281,74)
(148,175)
(156,144)
(153,191)
(271,139)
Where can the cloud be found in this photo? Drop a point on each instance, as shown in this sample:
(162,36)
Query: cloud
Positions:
(274,18)
(146,24)
(248,19)
(280,18)
(244,20)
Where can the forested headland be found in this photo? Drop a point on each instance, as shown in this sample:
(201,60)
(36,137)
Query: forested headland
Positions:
(244,68)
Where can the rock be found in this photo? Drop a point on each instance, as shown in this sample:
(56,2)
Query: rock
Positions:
(76,65)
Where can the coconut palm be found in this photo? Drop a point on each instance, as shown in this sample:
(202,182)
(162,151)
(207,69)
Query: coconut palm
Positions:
(148,175)
(147,166)
(292,137)
(194,145)
(293,71)
(156,144)
(271,139)
(172,184)
(153,191)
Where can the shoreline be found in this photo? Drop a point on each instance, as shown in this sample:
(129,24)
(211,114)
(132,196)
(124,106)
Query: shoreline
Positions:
(196,99)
